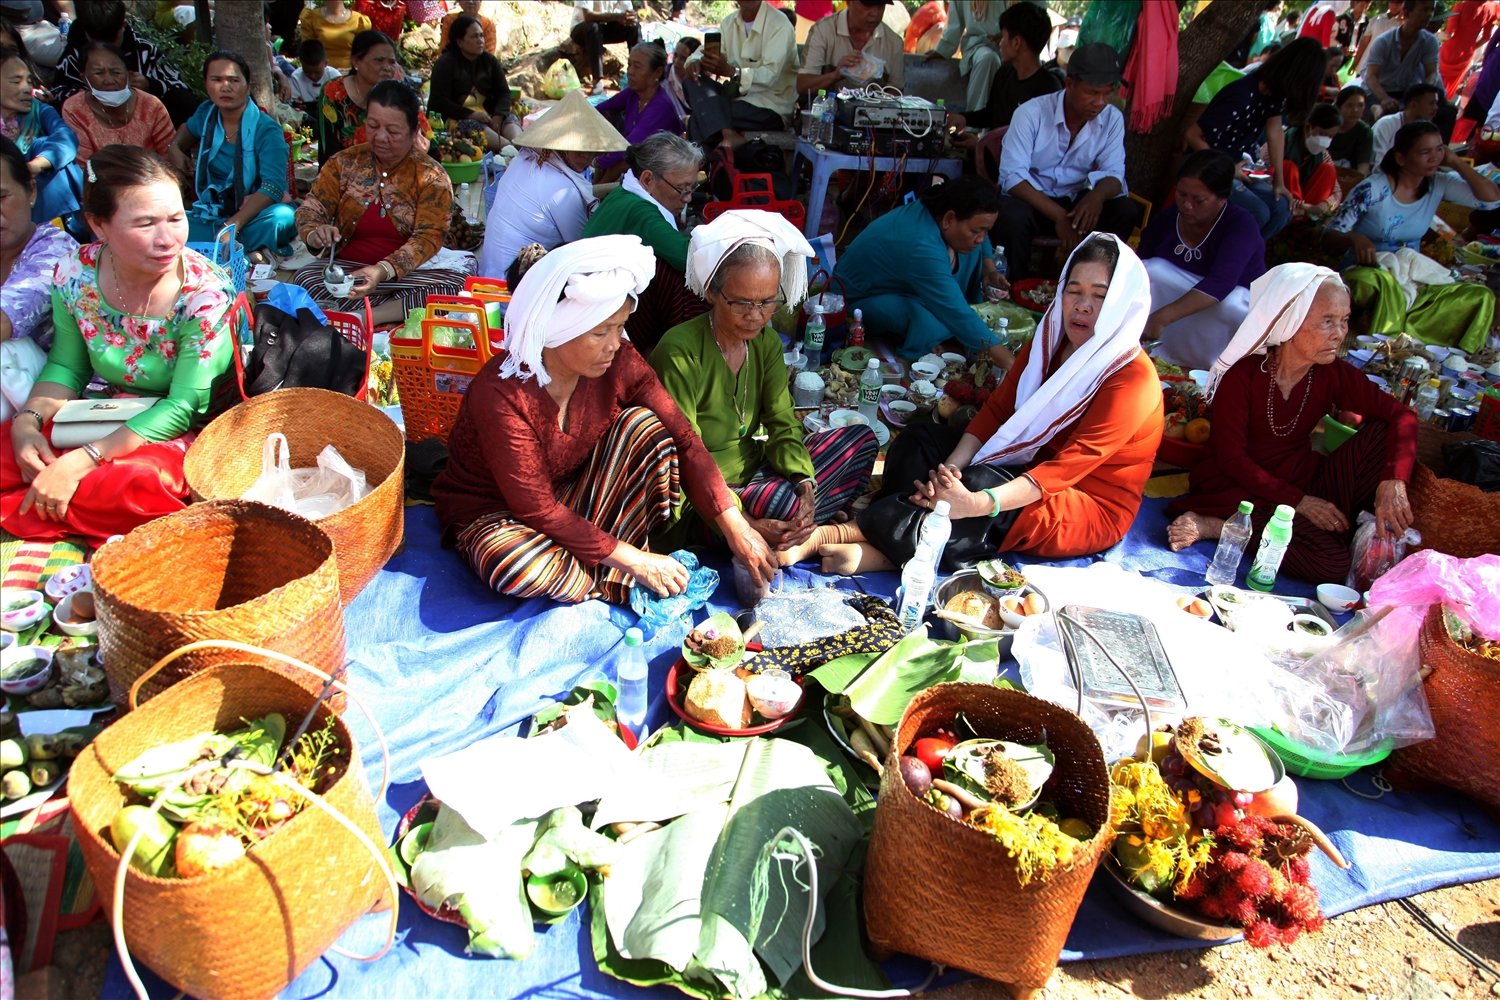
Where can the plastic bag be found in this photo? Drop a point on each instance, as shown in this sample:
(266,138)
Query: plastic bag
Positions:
(21,361)
(1371,556)
(289,298)
(795,616)
(1474,462)
(656,611)
(274,485)
(560,78)
(312,493)
(1470,587)
(1111,23)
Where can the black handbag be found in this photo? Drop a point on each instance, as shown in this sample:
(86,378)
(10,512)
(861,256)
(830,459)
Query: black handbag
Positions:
(300,352)
(893,524)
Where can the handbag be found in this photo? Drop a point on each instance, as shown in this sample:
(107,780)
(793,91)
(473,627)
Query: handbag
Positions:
(300,351)
(893,524)
(80,421)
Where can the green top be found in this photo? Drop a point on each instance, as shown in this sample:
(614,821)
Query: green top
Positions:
(624,212)
(177,358)
(698,378)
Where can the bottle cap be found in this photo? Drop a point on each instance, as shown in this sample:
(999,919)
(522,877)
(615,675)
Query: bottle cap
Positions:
(1283,512)
(822,93)
(633,637)
(941,508)
(1436,382)
(859,314)
(1246,507)
(874,363)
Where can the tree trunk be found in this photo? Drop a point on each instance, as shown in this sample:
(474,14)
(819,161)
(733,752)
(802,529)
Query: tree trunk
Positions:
(203,30)
(1210,37)
(241,27)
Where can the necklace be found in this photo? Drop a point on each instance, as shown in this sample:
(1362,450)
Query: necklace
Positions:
(1271,401)
(380,192)
(740,408)
(1192,253)
(145,309)
(111,118)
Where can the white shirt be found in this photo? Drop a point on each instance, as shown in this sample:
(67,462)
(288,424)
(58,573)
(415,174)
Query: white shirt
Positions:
(1385,134)
(765,53)
(534,203)
(1040,149)
(600,7)
(306,90)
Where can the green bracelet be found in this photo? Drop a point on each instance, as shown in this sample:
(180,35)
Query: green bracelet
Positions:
(994,495)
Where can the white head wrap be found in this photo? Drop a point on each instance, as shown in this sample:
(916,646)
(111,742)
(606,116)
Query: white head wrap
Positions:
(1044,406)
(1279,301)
(713,241)
(569,292)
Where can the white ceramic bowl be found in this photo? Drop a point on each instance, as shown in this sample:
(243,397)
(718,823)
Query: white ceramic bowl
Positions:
(69,580)
(905,407)
(935,360)
(7,640)
(892,392)
(954,358)
(923,371)
(1339,600)
(30,607)
(845,418)
(34,681)
(64,611)
(1199,375)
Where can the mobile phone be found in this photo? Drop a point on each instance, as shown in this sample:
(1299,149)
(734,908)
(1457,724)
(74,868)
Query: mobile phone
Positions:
(712,41)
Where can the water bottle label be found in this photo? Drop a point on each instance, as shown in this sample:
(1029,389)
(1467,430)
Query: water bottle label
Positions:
(869,394)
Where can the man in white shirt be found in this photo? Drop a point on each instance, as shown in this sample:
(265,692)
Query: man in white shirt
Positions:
(758,53)
(1422,101)
(837,44)
(597,23)
(1062,165)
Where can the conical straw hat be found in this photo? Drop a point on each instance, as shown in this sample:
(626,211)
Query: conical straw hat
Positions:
(572,125)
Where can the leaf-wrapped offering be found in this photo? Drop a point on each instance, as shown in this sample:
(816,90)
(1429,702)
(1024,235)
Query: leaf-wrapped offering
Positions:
(998,771)
(717,644)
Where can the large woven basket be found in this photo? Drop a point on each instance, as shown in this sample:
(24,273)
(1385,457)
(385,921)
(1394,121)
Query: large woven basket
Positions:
(250,928)
(1463,694)
(226,569)
(922,861)
(1453,517)
(225,461)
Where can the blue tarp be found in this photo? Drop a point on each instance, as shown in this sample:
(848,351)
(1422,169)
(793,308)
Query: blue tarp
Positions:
(442,661)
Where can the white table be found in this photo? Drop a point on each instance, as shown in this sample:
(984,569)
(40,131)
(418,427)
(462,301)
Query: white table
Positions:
(825,162)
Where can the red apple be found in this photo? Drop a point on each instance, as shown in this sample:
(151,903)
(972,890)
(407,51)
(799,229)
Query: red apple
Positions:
(1349,419)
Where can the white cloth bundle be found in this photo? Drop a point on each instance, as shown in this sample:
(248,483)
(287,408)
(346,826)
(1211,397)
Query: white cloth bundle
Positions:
(1411,269)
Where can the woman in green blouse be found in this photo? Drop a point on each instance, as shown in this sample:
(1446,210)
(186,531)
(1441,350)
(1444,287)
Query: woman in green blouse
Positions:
(726,372)
(151,319)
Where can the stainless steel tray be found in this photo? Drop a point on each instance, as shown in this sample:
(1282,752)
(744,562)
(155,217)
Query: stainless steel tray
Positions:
(1133,641)
(1299,606)
(1159,914)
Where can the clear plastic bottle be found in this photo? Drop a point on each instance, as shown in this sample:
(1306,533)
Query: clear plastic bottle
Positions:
(1426,398)
(1274,539)
(812,338)
(1002,331)
(631,674)
(920,572)
(857,329)
(1001,264)
(830,106)
(1232,543)
(812,120)
(869,392)
(463,201)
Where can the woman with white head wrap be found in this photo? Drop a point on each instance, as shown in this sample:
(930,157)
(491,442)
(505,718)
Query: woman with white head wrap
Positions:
(726,371)
(1056,462)
(1275,381)
(567,450)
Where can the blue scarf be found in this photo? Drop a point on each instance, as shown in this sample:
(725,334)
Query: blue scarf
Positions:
(209,205)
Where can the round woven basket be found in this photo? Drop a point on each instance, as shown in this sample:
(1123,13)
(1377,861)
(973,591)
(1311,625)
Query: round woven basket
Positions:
(225,461)
(1463,694)
(921,860)
(226,569)
(1453,517)
(250,928)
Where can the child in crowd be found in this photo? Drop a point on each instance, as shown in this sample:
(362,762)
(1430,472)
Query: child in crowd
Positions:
(308,80)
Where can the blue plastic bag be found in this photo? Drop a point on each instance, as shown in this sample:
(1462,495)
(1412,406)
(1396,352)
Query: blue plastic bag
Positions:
(657,611)
(289,298)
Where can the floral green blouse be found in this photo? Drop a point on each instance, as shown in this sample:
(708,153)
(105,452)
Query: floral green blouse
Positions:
(178,358)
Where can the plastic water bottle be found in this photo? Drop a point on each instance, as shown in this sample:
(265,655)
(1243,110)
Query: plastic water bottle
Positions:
(1425,401)
(1001,264)
(1232,542)
(630,678)
(857,329)
(1273,543)
(1002,331)
(812,338)
(812,120)
(869,392)
(829,107)
(920,572)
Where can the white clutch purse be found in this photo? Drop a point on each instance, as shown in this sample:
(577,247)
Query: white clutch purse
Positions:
(83,420)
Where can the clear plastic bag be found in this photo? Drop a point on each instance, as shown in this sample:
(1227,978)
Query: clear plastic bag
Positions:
(1371,556)
(313,493)
(794,616)
(274,485)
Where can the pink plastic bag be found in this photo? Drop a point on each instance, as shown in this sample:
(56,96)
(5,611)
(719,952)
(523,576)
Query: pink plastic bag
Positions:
(1471,587)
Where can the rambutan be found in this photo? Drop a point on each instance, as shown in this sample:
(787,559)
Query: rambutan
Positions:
(1193,888)
(1213,907)
(1261,934)
(1290,933)
(1233,861)
(1300,903)
(1254,878)
(1298,870)
(1244,912)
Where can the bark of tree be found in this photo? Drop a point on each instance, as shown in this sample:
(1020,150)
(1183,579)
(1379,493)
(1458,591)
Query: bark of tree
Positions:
(241,27)
(203,27)
(1210,37)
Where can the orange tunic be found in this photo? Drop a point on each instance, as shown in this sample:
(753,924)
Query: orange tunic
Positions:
(1093,473)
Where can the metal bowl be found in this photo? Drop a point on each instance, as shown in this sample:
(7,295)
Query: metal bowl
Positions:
(1158,914)
(956,584)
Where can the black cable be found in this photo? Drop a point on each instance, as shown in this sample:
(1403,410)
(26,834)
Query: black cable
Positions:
(1441,933)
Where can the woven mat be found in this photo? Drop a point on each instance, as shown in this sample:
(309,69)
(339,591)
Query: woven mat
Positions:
(28,565)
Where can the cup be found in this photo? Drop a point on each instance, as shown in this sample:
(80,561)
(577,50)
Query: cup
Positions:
(807,389)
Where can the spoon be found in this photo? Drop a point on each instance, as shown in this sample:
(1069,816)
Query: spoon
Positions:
(333,274)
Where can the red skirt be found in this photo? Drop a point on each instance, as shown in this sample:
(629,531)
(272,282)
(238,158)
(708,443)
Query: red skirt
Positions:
(111,500)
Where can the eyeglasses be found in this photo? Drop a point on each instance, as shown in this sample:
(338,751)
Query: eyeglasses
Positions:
(683,194)
(745,307)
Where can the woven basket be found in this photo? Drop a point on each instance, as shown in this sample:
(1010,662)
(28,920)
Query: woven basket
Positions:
(1463,694)
(1452,517)
(251,928)
(920,860)
(226,569)
(225,461)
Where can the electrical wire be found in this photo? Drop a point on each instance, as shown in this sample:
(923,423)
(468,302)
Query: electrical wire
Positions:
(1441,933)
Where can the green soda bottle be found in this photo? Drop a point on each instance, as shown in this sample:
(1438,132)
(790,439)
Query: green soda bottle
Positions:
(1274,540)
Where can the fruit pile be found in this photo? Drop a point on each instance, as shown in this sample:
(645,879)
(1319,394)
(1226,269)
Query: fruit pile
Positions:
(460,142)
(1186,413)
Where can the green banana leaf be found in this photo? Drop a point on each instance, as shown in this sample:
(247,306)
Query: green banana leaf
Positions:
(915,664)
(725,623)
(838,673)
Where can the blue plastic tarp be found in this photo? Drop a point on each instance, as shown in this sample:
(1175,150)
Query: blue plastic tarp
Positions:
(441,661)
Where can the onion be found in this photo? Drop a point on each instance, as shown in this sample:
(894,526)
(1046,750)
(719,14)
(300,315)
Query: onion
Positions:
(917,776)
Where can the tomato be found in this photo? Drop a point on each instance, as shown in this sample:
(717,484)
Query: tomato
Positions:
(931,750)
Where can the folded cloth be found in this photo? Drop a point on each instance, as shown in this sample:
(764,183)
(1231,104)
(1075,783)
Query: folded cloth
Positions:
(1411,269)
(881,633)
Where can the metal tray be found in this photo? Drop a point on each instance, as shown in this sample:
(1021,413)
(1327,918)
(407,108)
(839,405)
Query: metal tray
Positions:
(1158,914)
(1134,642)
(1299,606)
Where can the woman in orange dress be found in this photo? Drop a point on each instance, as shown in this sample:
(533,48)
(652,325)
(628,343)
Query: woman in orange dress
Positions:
(1056,462)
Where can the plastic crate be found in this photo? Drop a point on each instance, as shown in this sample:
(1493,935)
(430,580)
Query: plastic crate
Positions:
(356,329)
(1306,762)
(233,260)
(1487,421)
(431,379)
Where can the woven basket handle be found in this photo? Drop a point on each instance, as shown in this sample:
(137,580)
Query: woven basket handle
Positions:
(270,654)
(843,289)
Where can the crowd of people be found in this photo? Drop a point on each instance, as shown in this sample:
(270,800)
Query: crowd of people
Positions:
(641,401)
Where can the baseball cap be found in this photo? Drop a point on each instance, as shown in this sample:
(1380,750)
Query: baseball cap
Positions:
(1096,64)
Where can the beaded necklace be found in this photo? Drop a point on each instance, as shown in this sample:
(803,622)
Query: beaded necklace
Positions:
(1271,400)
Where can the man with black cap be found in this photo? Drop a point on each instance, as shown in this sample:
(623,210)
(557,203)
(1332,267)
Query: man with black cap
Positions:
(1062,167)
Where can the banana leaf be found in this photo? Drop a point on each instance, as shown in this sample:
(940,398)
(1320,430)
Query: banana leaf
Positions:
(838,673)
(726,625)
(912,666)
(483,879)
(603,694)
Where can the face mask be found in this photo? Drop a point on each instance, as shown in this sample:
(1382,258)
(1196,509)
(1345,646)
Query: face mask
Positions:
(1319,143)
(111,98)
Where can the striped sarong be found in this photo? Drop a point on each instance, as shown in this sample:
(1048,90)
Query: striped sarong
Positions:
(628,485)
(411,289)
(842,461)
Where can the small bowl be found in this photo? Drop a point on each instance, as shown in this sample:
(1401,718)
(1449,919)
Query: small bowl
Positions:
(70,580)
(1379,381)
(954,358)
(24,608)
(900,411)
(933,359)
(892,392)
(7,640)
(13,682)
(922,371)
(1199,375)
(774,696)
(846,418)
(64,611)
(540,889)
(1339,600)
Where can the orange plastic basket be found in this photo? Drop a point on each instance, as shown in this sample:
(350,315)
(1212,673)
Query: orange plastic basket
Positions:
(432,378)
(756,191)
(1487,421)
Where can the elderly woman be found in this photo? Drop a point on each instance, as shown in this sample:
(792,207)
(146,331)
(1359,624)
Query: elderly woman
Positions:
(642,109)
(663,171)
(386,206)
(1392,209)
(111,112)
(567,451)
(543,196)
(46,141)
(148,318)
(1201,254)
(725,370)
(1056,462)
(237,158)
(340,115)
(469,83)
(915,269)
(1270,388)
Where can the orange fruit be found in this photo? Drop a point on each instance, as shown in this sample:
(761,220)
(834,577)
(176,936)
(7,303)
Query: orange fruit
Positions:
(1197,430)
